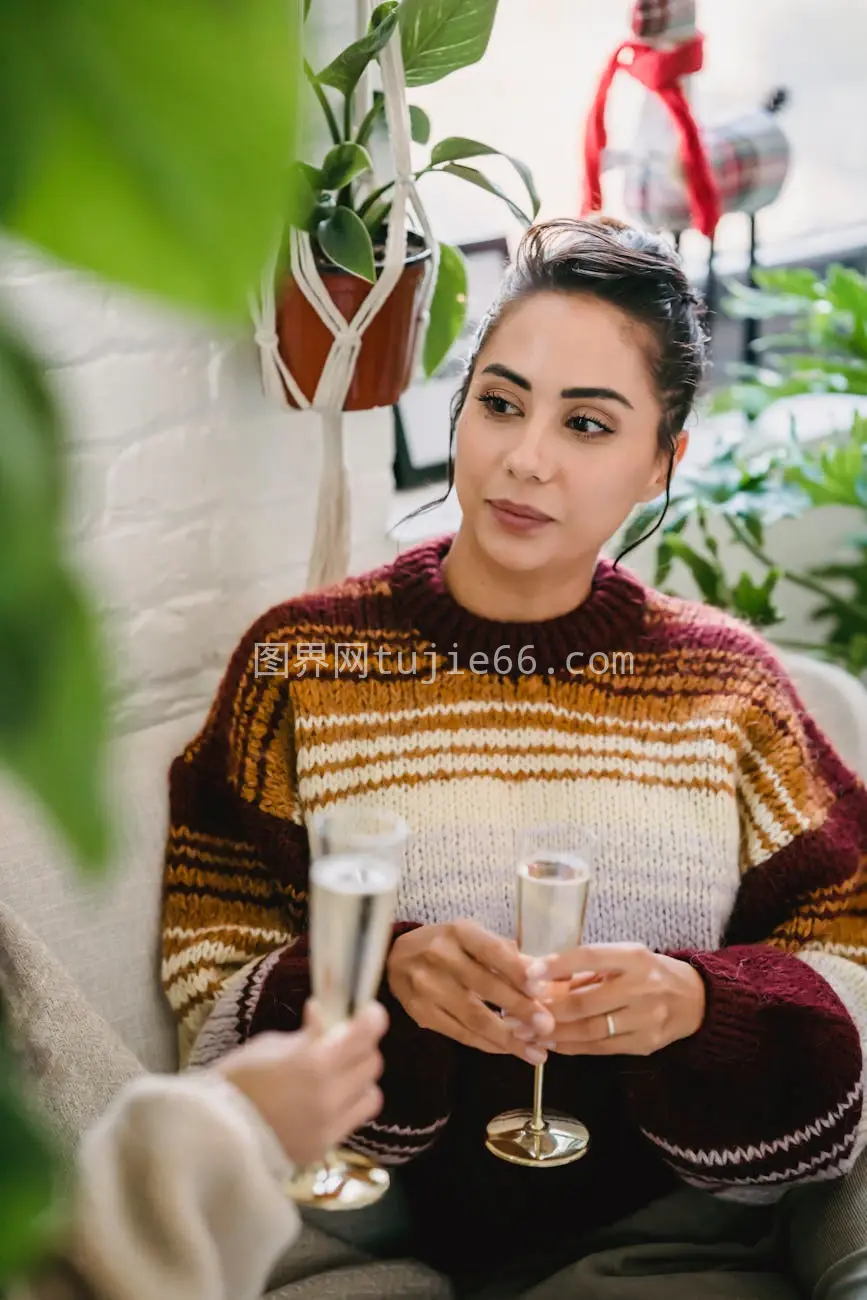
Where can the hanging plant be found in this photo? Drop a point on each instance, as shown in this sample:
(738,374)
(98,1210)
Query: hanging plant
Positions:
(348,223)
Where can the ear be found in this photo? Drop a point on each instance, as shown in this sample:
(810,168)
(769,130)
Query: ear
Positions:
(656,484)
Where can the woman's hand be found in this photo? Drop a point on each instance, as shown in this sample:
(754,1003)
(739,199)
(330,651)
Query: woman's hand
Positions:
(312,1088)
(647,999)
(443,975)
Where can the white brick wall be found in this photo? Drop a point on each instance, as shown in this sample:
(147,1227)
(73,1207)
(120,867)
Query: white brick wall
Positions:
(193,497)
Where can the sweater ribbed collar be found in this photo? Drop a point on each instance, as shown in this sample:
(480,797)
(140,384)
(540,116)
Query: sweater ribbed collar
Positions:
(611,617)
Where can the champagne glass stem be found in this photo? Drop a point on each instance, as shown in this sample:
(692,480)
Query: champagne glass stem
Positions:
(537,1124)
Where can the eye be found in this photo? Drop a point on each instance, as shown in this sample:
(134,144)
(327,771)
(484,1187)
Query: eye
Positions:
(587,426)
(496,404)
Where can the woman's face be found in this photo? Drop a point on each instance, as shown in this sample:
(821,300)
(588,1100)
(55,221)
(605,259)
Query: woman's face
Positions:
(557,441)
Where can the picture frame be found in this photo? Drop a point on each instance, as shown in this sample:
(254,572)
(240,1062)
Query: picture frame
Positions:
(421,417)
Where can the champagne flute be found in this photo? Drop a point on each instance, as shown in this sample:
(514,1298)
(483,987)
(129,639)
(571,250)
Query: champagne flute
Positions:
(354,876)
(553,886)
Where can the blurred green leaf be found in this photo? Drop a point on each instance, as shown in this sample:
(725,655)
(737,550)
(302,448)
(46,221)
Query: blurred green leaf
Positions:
(440,36)
(59,753)
(708,576)
(345,240)
(163,142)
(53,701)
(754,601)
(799,282)
(29,1218)
(456,147)
(345,72)
(448,308)
(306,183)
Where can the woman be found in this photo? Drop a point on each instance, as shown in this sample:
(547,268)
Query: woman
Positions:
(710,1030)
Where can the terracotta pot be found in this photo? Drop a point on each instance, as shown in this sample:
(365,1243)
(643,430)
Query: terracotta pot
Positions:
(384,367)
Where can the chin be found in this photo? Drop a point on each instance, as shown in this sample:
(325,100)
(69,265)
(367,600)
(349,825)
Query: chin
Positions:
(516,553)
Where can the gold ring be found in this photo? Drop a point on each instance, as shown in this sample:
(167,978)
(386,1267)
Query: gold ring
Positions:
(610,1022)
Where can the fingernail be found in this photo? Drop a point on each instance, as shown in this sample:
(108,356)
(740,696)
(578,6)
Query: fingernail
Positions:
(548,1044)
(523,1034)
(535,1057)
(537,970)
(535,989)
(542,1022)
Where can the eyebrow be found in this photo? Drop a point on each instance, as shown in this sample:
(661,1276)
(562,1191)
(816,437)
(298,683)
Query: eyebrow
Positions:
(520,382)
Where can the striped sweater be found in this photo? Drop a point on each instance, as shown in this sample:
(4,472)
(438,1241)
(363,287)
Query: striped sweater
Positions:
(730,835)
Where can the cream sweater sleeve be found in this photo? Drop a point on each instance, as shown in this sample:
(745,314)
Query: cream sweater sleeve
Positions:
(180,1194)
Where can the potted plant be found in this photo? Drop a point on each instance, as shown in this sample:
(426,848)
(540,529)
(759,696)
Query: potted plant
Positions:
(348,222)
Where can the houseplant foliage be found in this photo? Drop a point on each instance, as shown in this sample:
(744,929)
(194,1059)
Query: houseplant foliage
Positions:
(332,201)
(148,143)
(823,344)
(745,495)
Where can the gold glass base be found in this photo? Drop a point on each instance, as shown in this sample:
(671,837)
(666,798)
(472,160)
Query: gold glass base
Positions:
(346,1181)
(558,1141)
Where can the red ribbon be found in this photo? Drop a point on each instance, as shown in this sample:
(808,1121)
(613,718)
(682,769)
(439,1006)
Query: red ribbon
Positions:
(660,71)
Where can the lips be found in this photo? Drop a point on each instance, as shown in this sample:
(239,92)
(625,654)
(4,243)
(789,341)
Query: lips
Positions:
(521,511)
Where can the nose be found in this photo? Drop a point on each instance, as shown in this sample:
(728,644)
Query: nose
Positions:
(528,457)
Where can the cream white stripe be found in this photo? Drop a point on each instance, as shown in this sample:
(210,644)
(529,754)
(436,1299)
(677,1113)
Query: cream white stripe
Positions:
(764,820)
(217,954)
(782,793)
(309,721)
(741,1155)
(183,990)
(849,982)
(404,1130)
(196,931)
(839,1149)
(704,750)
(497,765)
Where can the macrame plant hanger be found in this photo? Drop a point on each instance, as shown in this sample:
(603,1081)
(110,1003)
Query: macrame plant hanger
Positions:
(329,557)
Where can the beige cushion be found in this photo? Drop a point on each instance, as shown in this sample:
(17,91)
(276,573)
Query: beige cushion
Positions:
(106,935)
(837,702)
(74,1063)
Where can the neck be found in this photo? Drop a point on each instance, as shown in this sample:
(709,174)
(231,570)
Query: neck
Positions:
(488,590)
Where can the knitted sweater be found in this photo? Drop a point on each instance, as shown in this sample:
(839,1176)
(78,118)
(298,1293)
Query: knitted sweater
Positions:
(730,835)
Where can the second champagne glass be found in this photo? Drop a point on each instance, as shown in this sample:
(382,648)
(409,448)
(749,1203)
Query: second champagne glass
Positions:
(554,875)
(357,858)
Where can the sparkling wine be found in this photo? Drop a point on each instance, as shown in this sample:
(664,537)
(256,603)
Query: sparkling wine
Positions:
(353,898)
(552,900)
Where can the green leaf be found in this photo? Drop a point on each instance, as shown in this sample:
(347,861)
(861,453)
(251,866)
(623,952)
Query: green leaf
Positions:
(419,124)
(376,217)
(448,308)
(345,240)
(441,36)
(476,177)
(343,163)
(164,139)
(456,147)
(847,290)
(754,601)
(345,72)
(29,1172)
(303,195)
(708,577)
(798,282)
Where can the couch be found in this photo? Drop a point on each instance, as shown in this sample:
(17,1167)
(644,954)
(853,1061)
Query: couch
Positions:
(105,937)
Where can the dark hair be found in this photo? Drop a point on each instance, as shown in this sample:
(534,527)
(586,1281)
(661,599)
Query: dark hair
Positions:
(632,269)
